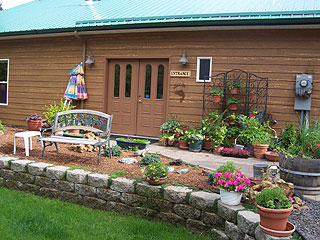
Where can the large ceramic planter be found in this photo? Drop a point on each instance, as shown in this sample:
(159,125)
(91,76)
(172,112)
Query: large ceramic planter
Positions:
(216,98)
(275,219)
(272,156)
(184,144)
(195,145)
(230,198)
(233,106)
(34,125)
(260,149)
(126,144)
(304,173)
(153,182)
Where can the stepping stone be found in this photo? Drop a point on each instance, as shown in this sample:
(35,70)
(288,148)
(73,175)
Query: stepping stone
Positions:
(183,171)
(128,160)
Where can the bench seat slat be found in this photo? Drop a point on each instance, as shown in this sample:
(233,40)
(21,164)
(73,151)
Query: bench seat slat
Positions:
(60,139)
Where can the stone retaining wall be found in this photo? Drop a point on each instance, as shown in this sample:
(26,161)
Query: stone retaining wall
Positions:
(198,211)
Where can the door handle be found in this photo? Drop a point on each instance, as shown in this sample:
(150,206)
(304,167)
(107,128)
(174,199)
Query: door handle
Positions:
(140,101)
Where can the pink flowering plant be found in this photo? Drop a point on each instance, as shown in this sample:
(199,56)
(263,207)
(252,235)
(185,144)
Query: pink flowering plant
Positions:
(232,181)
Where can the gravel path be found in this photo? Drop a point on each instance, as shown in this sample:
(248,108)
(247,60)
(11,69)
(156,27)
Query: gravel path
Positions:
(308,222)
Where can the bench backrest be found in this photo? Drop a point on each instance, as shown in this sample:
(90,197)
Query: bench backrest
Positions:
(83,119)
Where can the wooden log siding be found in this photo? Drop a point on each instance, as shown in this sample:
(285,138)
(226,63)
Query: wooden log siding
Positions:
(39,68)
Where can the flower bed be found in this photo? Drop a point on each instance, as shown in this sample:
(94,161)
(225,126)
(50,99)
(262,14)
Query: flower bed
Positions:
(231,152)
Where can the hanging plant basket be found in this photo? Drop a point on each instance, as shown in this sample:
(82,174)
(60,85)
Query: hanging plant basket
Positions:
(233,106)
(253,96)
(216,98)
(234,91)
(251,115)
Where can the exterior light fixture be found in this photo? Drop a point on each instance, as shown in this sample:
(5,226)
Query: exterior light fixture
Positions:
(90,60)
(184,60)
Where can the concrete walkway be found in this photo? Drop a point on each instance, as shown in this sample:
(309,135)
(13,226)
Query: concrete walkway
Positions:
(208,160)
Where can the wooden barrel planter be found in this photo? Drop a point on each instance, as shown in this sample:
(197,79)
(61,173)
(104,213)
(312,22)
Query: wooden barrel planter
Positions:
(304,173)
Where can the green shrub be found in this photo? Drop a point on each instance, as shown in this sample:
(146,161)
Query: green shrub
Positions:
(289,137)
(155,170)
(273,198)
(1,127)
(115,151)
(53,109)
(149,158)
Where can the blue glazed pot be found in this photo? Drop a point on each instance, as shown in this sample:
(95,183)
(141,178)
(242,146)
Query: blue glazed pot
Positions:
(195,145)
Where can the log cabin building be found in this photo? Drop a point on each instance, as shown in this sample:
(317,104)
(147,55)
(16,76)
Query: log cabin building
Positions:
(151,57)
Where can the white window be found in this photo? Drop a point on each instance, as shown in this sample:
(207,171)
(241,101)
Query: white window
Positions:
(4,81)
(204,66)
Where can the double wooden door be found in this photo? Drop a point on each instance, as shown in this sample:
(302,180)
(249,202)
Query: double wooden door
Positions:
(137,95)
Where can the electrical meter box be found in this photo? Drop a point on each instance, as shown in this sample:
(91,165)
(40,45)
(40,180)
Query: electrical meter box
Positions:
(303,91)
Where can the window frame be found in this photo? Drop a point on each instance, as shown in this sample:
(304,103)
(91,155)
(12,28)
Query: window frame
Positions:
(7,82)
(198,69)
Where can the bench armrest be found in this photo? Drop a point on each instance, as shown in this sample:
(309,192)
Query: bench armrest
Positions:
(42,130)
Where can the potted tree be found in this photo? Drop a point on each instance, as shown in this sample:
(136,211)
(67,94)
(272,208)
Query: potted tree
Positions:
(34,122)
(274,209)
(233,103)
(253,95)
(231,182)
(234,87)
(216,95)
(155,173)
(232,133)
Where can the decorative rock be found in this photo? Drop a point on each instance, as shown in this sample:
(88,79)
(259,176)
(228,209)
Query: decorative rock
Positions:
(25,177)
(187,211)
(195,226)
(147,190)
(71,197)
(183,171)
(170,169)
(4,161)
(77,176)
(38,169)
(85,190)
(108,194)
(145,212)
(213,220)
(94,203)
(262,236)
(233,232)
(57,172)
(203,200)
(14,184)
(218,235)
(159,205)
(141,152)
(132,199)
(172,218)
(49,192)
(228,212)
(64,185)
(176,162)
(2,182)
(128,160)
(118,207)
(31,188)
(247,237)
(122,185)
(98,180)
(247,220)
(44,182)
(19,165)
(176,194)
(8,174)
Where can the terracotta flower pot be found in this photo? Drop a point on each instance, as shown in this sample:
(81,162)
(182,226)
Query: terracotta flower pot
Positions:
(260,149)
(251,115)
(164,142)
(272,156)
(255,180)
(207,144)
(34,125)
(233,106)
(218,149)
(153,182)
(275,219)
(253,96)
(183,144)
(216,98)
(232,139)
(184,127)
(171,143)
(234,91)
(286,233)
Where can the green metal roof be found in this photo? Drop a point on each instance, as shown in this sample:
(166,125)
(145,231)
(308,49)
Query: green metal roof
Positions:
(49,16)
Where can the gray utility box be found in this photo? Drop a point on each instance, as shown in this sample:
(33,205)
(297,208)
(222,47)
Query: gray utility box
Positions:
(303,92)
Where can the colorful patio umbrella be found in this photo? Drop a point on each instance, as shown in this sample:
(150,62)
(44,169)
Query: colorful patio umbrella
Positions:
(76,88)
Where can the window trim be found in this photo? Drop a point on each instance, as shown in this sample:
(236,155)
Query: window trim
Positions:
(6,104)
(198,69)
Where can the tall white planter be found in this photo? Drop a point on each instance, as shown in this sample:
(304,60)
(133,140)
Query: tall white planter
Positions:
(230,198)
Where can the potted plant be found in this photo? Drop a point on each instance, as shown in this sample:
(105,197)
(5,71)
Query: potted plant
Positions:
(196,141)
(232,118)
(155,173)
(133,143)
(170,126)
(34,122)
(253,95)
(218,138)
(253,113)
(184,140)
(233,103)
(234,86)
(171,140)
(261,143)
(216,95)
(232,133)
(274,209)
(238,153)
(231,182)
(164,140)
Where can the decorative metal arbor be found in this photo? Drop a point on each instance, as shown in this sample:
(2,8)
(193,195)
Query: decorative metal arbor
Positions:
(252,84)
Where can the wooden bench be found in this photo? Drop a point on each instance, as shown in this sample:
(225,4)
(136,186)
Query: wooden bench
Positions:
(97,122)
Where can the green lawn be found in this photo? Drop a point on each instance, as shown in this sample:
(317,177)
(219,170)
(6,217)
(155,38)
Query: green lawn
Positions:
(25,216)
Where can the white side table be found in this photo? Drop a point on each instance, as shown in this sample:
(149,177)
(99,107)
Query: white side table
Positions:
(27,137)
